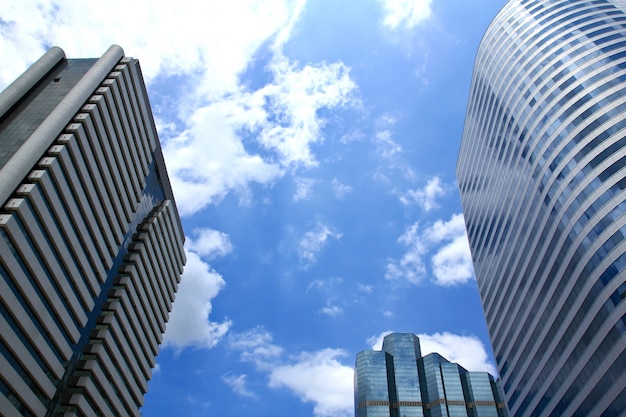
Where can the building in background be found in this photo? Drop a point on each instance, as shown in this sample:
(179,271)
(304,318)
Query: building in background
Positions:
(399,382)
(542,175)
(91,245)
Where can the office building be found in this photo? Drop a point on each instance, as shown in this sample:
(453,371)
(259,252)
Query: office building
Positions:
(542,174)
(91,245)
(399,382)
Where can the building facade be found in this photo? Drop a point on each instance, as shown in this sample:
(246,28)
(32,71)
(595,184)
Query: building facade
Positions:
(541,172)
(399,382)
(91,245)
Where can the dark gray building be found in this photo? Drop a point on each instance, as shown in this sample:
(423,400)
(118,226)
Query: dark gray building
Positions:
(399,382)
(542,173)
(91,245)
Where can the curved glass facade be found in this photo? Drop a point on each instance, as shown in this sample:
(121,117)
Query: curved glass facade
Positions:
(542,175)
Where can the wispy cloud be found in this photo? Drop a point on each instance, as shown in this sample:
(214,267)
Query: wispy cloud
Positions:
(189,324)
(367,289)
(445,243)
(313,242)
(385,146)
(294,100)
(340,189)
(239,385)
(426,197)
(315,377)
(304,189)
(332,311)
(405,14)
(467,351)
(411,266)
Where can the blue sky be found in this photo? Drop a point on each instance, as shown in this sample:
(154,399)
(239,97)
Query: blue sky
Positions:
(311,146)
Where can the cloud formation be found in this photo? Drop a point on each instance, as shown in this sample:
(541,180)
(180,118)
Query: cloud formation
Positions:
(239,385)
(313,242)
(445,243)
(304,189)
(205,132)
(452,264)
(255,345)
(426,197)
(340,189)
(86,29)
(405,14)
(332,311)
(318,378)
(467,351)
(209,243)
(282,117)
(385,146)
(315,377)
(189,324)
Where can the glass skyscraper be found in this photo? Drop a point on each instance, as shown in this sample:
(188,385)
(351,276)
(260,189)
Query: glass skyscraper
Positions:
(91,245)
(542,173)
(399,382)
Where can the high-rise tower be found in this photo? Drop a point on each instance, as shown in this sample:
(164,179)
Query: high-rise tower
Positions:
(542,173)
(399,382)
(91,245)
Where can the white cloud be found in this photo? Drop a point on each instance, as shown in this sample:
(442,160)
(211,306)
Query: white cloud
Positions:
(411,266)
(304,189)
(388,313)
(255,345)
(209,159)
(405,14)
(447,246)
(340,189)
(467,351)
(325,285)
(189,323)
(315,377)
(452,264)
(386,147)
(332,311)
(376,341)
(205,125)
(319,378)
(192,43)
(294,100)
(239,385)
(367,289)
(313,242)
(426,197)
(209,243)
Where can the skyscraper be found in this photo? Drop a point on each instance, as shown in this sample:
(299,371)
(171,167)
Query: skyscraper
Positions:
(91,246)
(399,382)
(542,174)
